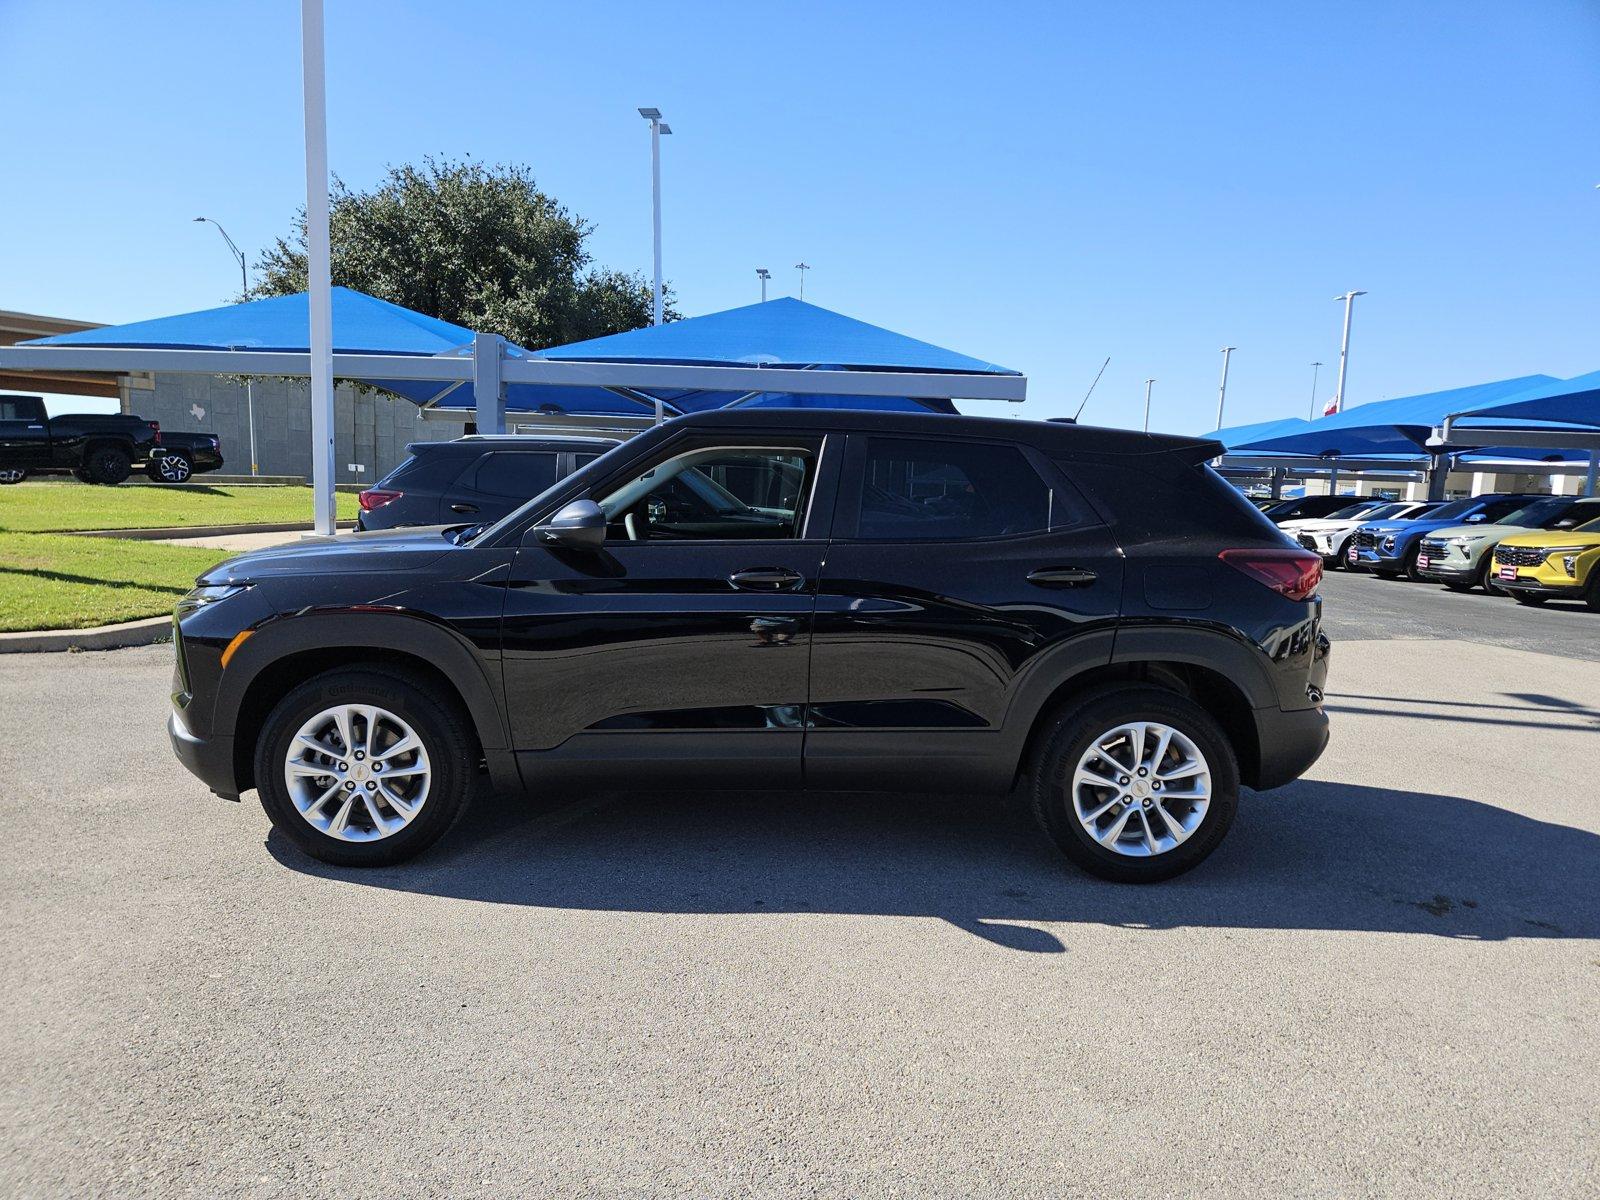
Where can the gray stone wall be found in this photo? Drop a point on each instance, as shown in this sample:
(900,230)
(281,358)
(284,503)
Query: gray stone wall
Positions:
(371,429)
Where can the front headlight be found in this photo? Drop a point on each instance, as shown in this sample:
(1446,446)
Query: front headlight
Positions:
(1469,540)
(1570,562)
(210,593)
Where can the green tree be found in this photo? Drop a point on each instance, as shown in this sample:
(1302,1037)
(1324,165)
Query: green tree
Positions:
(477,246)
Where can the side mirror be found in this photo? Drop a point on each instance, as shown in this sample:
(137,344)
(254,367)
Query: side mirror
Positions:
(579,525)
(1474,519)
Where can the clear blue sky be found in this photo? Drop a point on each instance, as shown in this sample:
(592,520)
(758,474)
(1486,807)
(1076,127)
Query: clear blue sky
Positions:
(1041,185)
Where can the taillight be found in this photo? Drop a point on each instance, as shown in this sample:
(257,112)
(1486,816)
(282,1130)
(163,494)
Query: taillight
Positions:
(155,428)
(376,498)
(1292,573)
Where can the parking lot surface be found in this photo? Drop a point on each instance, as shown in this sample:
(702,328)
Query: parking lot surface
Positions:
(1387,981)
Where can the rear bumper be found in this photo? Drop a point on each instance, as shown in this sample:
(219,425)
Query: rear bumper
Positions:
(210,760)
(1290,741)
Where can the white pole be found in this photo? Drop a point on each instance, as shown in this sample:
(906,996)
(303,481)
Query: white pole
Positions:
(1222,391)
(655,203)
(1147,384)
(250,413)
(318,263)
(1316,369)
(1349,299)
(802,267)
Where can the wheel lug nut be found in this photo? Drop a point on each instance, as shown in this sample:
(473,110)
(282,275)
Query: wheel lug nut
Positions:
(376,767)
(1147,804)
(1142,771)
(1123,780)
(348,786)
(1156,786)
(344,766)
(370,785)
(359,755)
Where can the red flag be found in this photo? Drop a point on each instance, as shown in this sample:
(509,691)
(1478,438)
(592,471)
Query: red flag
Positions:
(1331,407)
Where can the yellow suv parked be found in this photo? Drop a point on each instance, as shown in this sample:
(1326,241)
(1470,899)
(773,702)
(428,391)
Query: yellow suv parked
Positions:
(1533,567)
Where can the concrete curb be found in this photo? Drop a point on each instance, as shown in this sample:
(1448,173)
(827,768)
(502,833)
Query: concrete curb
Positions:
(183,531)
(106,637)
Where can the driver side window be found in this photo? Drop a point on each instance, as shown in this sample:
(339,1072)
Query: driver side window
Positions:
(725,493)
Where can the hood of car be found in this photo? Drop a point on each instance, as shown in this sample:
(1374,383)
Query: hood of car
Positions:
(407,549)
(1555,537)
(1493,533)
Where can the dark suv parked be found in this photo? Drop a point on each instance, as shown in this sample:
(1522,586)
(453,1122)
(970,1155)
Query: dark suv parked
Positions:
(775,598)
(474,478)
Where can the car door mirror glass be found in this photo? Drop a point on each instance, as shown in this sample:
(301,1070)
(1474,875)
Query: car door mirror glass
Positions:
(1475,519)
(577,525)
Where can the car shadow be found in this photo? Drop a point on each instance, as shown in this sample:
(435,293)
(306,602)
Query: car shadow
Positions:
(1313,855)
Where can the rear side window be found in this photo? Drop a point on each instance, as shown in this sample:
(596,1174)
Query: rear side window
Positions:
(513,474)
(924,490)
(400,469)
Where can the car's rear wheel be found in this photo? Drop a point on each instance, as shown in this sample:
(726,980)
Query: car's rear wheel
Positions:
(363,767)
(1135,785)
(13,475)
(108,464)
(172,467)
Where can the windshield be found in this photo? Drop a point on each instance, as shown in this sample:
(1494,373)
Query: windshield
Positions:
(1387,510)
(1591,527)
(1537,514)
(1365,508)
(589,470)
(1456,508)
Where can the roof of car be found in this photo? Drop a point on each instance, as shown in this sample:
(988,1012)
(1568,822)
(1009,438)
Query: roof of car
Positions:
(1050,436)
(516,441)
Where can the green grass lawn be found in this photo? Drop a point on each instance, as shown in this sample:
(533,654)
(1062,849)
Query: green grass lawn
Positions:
(50,505)
(57,581)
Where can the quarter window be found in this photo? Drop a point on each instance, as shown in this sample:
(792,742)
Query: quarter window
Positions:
(514,474)
(914,490)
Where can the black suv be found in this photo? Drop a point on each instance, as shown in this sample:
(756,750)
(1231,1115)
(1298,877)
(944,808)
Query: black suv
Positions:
(775,598)
(479,478)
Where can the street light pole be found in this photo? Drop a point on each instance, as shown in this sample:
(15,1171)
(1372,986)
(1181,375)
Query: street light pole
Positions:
(1349,299)
(1316,369)
(802,268)
(763,274)
(1222,391)
(657,128)
(249,380)
(1147,384)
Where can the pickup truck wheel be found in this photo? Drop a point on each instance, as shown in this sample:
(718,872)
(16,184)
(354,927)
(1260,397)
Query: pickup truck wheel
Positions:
(1135,785)
(13,475)
(363,768)
(172,467)
(108,464)
(81,475)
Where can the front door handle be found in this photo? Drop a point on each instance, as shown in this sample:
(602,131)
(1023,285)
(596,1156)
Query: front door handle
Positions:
(766,579)
(464,508)
(1062,577)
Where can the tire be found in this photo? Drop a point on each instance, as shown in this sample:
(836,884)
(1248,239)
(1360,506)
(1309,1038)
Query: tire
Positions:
(13,475)
(172,467)
(1591,593)
(81,475)
(1069,743)
(1341,560)
(1528,598)
(107,464)
(1409,567)
(442,788)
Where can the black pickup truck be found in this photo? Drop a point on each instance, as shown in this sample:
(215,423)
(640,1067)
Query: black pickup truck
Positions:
(94,447)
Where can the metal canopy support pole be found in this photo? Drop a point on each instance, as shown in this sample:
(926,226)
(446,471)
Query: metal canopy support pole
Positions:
(488,384)
(1333,480)
(318,264)
(1438,472)
(1278,474)
(250,415)
(1222,389)
(1349,299)
(1593,475)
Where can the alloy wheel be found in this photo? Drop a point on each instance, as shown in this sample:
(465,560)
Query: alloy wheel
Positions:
(174,468)
(357,772)
(1141,789)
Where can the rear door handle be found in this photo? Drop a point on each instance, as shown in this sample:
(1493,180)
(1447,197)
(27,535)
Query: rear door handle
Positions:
(766,579)
(464,508)
(1062,577)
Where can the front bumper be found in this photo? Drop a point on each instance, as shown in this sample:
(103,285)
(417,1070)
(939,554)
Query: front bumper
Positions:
(1371,558)
(209,760)
(1533,585)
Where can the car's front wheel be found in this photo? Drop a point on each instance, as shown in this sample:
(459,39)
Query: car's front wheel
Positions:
(1135,785)
(364,767)
(13,475)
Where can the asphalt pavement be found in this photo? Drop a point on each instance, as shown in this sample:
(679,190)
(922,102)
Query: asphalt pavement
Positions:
(1386,982)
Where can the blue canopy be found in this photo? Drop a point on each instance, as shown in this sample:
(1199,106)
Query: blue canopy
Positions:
(362,324)
(1243,435)
(1576,401)
(779,333)
(1387,427)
